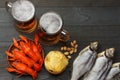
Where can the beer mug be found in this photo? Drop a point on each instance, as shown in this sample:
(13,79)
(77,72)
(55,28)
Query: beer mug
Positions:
(23,13)
(50,29)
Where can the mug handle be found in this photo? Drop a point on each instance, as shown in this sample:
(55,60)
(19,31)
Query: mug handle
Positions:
(64,36)
(8,6)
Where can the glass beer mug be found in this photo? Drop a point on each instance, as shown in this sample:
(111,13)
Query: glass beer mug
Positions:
(50,29)
(23,13)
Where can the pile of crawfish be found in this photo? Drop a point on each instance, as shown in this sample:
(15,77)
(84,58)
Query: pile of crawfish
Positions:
(25,56)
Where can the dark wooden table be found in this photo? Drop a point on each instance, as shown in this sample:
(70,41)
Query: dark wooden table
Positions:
(86,20)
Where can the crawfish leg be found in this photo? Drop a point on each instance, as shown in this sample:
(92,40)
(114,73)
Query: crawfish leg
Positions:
(14,70)
(37,51)
(15,43)
(11,59)
(9,54)
(27,50)
(23,38)
(21,57)
(36,38)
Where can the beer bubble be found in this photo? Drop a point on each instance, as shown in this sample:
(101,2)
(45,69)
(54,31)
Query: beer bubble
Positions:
(23,10)
(51,23)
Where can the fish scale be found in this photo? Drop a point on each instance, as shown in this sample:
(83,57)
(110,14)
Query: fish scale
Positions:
(113,71)
(102,66)
(103,76)
(84,61)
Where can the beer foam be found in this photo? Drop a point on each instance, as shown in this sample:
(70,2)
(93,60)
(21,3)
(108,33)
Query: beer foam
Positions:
(51,22)
(23,10)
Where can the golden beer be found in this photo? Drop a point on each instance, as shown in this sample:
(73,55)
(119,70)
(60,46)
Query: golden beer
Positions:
(23,12)
(50,29)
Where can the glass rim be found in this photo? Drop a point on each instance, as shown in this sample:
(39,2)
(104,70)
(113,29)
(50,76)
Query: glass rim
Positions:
(31,17)
(54,14)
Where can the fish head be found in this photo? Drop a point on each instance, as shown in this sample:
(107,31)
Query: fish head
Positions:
(94,46)
(109,52)
(116,65)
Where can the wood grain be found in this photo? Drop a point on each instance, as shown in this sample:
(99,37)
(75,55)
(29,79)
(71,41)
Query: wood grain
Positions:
(76,15)
(86,20)
(71,3)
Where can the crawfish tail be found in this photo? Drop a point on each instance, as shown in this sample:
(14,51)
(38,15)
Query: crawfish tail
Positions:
(41,61)
(25,47)
(32,56)
(24,68)
(36,51)
(37,67)
(20,56)
(34,47)
(27,50)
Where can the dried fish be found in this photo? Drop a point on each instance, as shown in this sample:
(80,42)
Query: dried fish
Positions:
(114,71)
(102,66)
(84,61)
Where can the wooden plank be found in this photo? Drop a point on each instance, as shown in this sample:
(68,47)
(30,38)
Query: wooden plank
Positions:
(77,15)
(8,32)
(5,16)
(108,36)
(85,24)
(85,15)
(92,30)
(3,57)
(4,75)
(84,3)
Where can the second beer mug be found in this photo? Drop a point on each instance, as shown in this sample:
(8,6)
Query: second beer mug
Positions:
(50,29)
(23,12)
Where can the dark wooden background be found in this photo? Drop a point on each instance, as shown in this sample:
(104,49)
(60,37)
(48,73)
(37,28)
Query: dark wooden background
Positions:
(86,20)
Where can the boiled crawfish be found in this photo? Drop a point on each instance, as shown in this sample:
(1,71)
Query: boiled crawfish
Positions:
(25,56)
(20,56)
(21,69)
(25,47)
